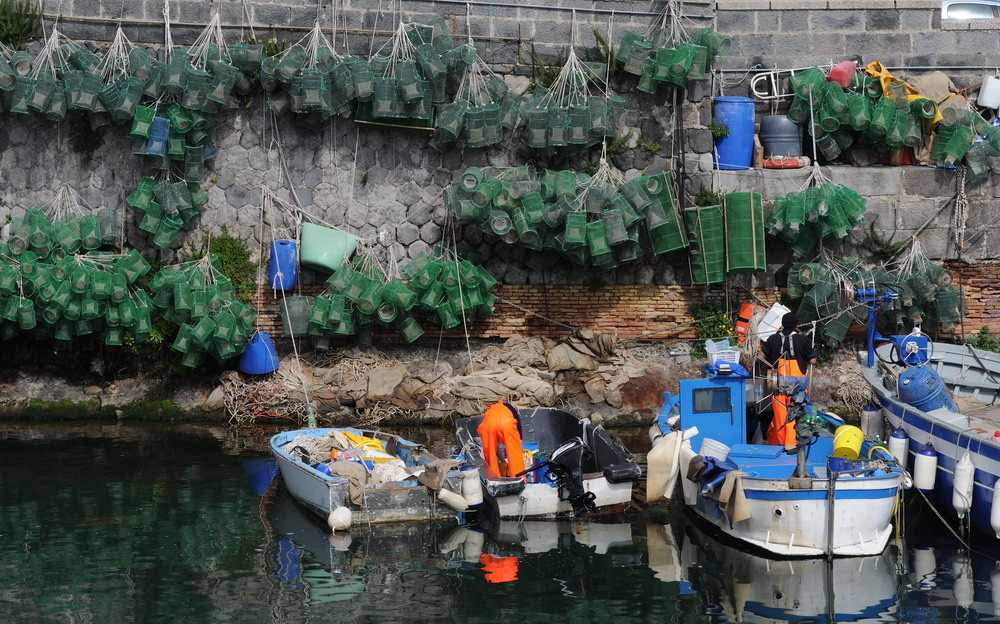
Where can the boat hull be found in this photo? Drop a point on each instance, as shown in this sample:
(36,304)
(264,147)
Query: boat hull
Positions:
(540,500)
(398,501)
(609,477)
(951,433)
(794,523)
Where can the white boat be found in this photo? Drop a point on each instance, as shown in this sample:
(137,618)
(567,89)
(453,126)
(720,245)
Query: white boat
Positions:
(588,470)
(832,506)
(394,501)
(943,402)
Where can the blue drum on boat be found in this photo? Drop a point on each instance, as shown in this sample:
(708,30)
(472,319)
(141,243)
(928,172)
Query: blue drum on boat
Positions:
(923,388)
(283,269)
(260,357)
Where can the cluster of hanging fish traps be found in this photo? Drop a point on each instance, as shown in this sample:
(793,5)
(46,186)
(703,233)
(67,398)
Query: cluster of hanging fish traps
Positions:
(805,217)
(56,284)
(438,288)
(884,119)
(726,238)
(927,297)
(199,298)
(412,77)
(166,206)
(657,58)
(483,107)
(568,113)
(597,221)
(964,136)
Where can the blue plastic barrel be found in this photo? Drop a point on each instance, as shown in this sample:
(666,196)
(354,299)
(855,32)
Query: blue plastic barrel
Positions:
(734,151)
(283,269)
(923,388)
(259,358)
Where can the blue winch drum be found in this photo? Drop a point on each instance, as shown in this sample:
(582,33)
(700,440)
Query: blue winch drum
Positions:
(283,268)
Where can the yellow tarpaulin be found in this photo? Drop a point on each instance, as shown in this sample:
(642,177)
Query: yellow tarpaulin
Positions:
(875,69)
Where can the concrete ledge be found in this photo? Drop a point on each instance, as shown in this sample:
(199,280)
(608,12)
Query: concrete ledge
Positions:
(760,5)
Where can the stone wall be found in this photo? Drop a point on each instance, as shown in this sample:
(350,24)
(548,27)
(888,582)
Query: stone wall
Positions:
(387,186)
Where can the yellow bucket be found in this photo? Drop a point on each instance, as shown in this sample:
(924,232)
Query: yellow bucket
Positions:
(847,442)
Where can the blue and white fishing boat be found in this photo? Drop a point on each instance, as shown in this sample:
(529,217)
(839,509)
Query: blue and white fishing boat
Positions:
(823,500)
(941,402)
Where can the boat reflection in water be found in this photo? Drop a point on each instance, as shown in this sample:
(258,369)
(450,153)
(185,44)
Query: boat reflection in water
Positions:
(639,570)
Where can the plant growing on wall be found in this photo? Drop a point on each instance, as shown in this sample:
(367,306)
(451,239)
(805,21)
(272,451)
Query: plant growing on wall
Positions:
(234,254)
(712,321)
(984,340)
(719,131)
(19,21)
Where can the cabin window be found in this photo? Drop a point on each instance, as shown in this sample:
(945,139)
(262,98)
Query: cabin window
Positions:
(711,400)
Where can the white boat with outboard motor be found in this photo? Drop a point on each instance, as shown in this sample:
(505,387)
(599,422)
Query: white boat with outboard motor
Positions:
(584,470)
(834,495)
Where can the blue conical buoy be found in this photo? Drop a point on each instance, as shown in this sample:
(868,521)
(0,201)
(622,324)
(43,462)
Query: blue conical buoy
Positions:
(259,358)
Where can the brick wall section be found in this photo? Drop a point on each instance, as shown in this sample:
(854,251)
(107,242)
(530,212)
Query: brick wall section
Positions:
(636,311)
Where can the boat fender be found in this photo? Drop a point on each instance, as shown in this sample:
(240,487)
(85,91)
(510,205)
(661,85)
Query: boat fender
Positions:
(961,570)
(961,497)
(899,446)
(453,500)
(339,519)
(924,567)
(906,481)
(341,542)
(995,509)
(925,467)
(872,422)
(472,488)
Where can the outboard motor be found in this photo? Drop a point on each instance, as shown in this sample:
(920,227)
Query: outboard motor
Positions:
(565,469)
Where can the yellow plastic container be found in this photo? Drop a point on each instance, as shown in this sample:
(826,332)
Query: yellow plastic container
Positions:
(325,249)
(847,442)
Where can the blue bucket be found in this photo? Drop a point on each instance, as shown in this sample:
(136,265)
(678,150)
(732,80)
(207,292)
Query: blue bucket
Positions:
(283,268)
(259,358)
(734,151)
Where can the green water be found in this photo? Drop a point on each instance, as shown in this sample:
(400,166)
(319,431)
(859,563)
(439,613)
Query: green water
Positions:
(111,523)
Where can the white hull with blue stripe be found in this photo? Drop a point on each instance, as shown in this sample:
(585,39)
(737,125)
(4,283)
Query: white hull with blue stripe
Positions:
(783,516)
(972,377)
